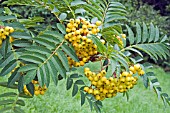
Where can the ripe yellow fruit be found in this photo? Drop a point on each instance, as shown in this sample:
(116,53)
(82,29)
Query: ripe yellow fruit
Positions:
(137,67)
(69,25)
(90,91)
(86,69)
(98,23)
(96,92)
(86,89)
(77,21)
(37,93)
(97,97)
(72,21)
(11,29)
(141,72)
(105,91)
(132,69)
(125,74)
(109,95)
(103,79)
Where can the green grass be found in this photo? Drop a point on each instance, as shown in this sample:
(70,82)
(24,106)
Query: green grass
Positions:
(142,100)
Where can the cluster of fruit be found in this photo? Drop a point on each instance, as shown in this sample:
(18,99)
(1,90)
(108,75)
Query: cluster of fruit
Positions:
(103,87)
(37,89)
(77,32)
(137,69)
(4,32)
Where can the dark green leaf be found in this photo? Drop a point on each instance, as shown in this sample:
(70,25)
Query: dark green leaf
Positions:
(70,52)
(82,98)
(30,88)
(20,102)
(9,17)
(30,58)
(14,77)
(53,70)
(8,68)
(79,82)
(46,74)
(63,59)
(28,67)
(75,90)
(30,75)
(74,75)
(145,81)
(58,64)
(69,83)
(21,84)
(8,94)
(40,77)
(150,74)
(21,35)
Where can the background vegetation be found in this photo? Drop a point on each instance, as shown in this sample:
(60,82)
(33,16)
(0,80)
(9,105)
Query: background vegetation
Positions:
(55,99)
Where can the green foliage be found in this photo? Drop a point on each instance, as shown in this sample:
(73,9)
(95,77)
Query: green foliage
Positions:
(42,55)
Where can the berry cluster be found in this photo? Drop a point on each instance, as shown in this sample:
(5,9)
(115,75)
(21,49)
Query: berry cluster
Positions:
(4,32)
(103,87)
(37,89)
(137,69)
(77,31)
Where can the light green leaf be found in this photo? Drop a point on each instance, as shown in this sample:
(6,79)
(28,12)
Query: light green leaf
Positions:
(130,35)
(61,27)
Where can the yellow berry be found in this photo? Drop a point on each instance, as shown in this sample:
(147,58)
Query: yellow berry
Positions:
(86,89)
(141,72)
(98,23)
(72,21)
(37,93)
(97,97)
(137,67)
(90,91)
(77,21)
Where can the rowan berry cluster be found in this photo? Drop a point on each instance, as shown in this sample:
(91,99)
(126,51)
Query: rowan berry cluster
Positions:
(103,87)
(137,69)
(37,89)
(4,32)
(77,32)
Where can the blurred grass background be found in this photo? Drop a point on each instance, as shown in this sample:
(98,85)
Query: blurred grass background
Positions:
(59,100)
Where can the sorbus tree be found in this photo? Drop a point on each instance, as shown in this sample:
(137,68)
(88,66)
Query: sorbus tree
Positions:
(85,31)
